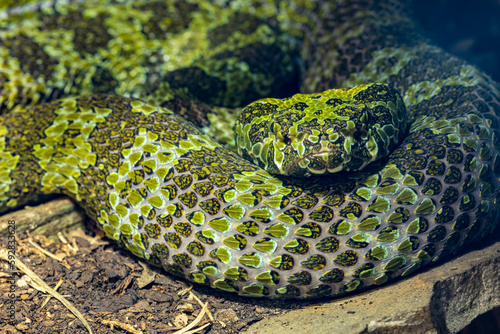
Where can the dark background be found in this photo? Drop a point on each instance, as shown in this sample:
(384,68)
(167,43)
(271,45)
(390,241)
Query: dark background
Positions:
(467,28)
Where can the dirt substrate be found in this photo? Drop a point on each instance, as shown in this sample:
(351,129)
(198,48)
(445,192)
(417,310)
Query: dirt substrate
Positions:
(117,293)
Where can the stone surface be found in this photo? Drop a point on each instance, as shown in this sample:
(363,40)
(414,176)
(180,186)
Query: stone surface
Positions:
(443,299)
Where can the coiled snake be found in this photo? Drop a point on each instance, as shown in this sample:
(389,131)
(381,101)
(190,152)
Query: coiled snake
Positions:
(165,189)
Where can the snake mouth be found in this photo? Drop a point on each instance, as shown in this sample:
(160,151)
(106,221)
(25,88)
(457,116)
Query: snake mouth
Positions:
(295,168)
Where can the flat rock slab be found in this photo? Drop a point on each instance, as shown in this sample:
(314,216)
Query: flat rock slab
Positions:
(444,299)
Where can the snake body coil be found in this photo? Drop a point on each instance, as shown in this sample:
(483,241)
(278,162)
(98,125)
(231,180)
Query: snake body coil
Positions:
(166,190)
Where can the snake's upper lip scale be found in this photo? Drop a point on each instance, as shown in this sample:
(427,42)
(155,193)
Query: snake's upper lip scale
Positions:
(292,167)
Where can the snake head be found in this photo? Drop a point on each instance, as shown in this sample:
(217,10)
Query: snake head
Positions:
(328,132)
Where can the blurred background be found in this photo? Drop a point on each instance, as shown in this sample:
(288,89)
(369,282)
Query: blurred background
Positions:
(467,28)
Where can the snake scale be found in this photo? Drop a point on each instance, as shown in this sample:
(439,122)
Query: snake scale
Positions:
(153,161)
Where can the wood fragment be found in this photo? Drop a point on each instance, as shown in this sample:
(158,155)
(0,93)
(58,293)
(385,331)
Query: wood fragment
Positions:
(210,316)
(46,252)
(198,329)
(195,321)
(45,219)
(127,327)
(48,297)
(184,291)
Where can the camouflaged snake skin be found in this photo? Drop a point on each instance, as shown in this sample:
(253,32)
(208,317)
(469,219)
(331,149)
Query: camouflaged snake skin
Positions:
(163,188)
(322,133)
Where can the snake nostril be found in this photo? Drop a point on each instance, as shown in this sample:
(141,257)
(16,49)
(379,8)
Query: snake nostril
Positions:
(357,135)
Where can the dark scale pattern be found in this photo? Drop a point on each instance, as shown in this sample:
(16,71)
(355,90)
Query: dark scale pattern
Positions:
(332,276)
(179,14)
(314,262)
(30,55)
(300,278)
(346,259)
(207,88)
(93,30)
(169,193)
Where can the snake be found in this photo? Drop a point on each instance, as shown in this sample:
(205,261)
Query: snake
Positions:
(362,152)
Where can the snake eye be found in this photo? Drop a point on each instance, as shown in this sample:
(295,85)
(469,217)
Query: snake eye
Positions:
(287,140)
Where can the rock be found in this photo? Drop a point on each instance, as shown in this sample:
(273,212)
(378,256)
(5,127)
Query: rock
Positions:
(443,299)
